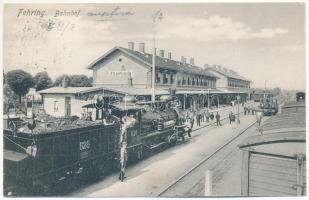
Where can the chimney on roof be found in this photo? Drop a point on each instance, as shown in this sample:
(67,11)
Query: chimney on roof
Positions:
(219,67)
(224,69)
(141,47)
(192,61)
(65,82)
(162,53)
(131,45)
(206,66)
(183,60)
(169,55)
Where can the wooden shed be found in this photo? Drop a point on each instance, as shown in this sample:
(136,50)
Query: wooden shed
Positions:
(274,161)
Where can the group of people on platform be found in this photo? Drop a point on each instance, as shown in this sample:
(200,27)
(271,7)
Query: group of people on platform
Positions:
(206,116)
(201,116)
(248,110)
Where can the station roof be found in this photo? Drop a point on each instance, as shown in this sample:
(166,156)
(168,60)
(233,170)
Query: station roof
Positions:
(163,63)
(64,90)
(120,90)
(228,74)
(189,91)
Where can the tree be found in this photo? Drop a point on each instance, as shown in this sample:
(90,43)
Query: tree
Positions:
(19,81)
(80,81)
(9,97)
(58,81)
(42,81)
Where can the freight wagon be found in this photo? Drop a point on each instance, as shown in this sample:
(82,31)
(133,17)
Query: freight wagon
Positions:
(35,163)
(274,162)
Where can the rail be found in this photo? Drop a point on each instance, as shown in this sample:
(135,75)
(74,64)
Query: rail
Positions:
(203,160)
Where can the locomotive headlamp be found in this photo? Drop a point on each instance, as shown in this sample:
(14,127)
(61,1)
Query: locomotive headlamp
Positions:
(100,98)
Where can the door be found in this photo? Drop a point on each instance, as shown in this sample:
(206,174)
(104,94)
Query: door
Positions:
(271,175)
(67,106)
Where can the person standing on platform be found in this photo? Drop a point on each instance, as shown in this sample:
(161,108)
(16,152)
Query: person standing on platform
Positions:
(123,161)
(259,116)
(245,110)
(218,119)
(211,116)
(207,115)
(231,117)
(198,119)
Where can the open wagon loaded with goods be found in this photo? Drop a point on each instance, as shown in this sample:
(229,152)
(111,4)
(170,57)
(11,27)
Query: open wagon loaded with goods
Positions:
(50,151)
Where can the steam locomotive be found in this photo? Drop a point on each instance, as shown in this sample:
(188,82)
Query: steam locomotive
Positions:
(269,106)
(62,152)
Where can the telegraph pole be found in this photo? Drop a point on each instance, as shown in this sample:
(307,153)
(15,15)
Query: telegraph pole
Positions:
(265,89)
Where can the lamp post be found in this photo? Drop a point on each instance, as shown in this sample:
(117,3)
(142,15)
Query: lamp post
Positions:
(158,15)
(238,98)
(208,98)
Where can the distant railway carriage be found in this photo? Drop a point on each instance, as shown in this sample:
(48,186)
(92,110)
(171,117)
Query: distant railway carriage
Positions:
(300,96)
(274,162)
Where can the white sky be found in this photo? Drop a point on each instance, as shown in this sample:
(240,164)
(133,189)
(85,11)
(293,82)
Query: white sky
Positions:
(263,41)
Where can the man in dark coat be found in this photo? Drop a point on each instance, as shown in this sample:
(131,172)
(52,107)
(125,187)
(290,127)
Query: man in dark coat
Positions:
(245,110)
(198,119)
(231,117)
(218,119)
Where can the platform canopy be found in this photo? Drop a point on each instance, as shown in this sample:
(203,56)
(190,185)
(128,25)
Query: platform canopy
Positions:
(211,91)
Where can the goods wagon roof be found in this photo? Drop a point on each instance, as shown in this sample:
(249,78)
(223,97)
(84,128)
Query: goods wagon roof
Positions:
(294,104)
(282,137)
(285,121)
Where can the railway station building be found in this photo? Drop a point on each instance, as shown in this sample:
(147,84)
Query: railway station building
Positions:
(128,71)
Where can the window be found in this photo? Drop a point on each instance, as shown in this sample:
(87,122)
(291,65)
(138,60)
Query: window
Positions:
(184,81)
(157,78)
(56,106)
(189,81)
(172,78)
(165,80)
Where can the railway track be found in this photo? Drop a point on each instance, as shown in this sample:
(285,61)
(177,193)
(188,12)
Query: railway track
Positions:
(188,172)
